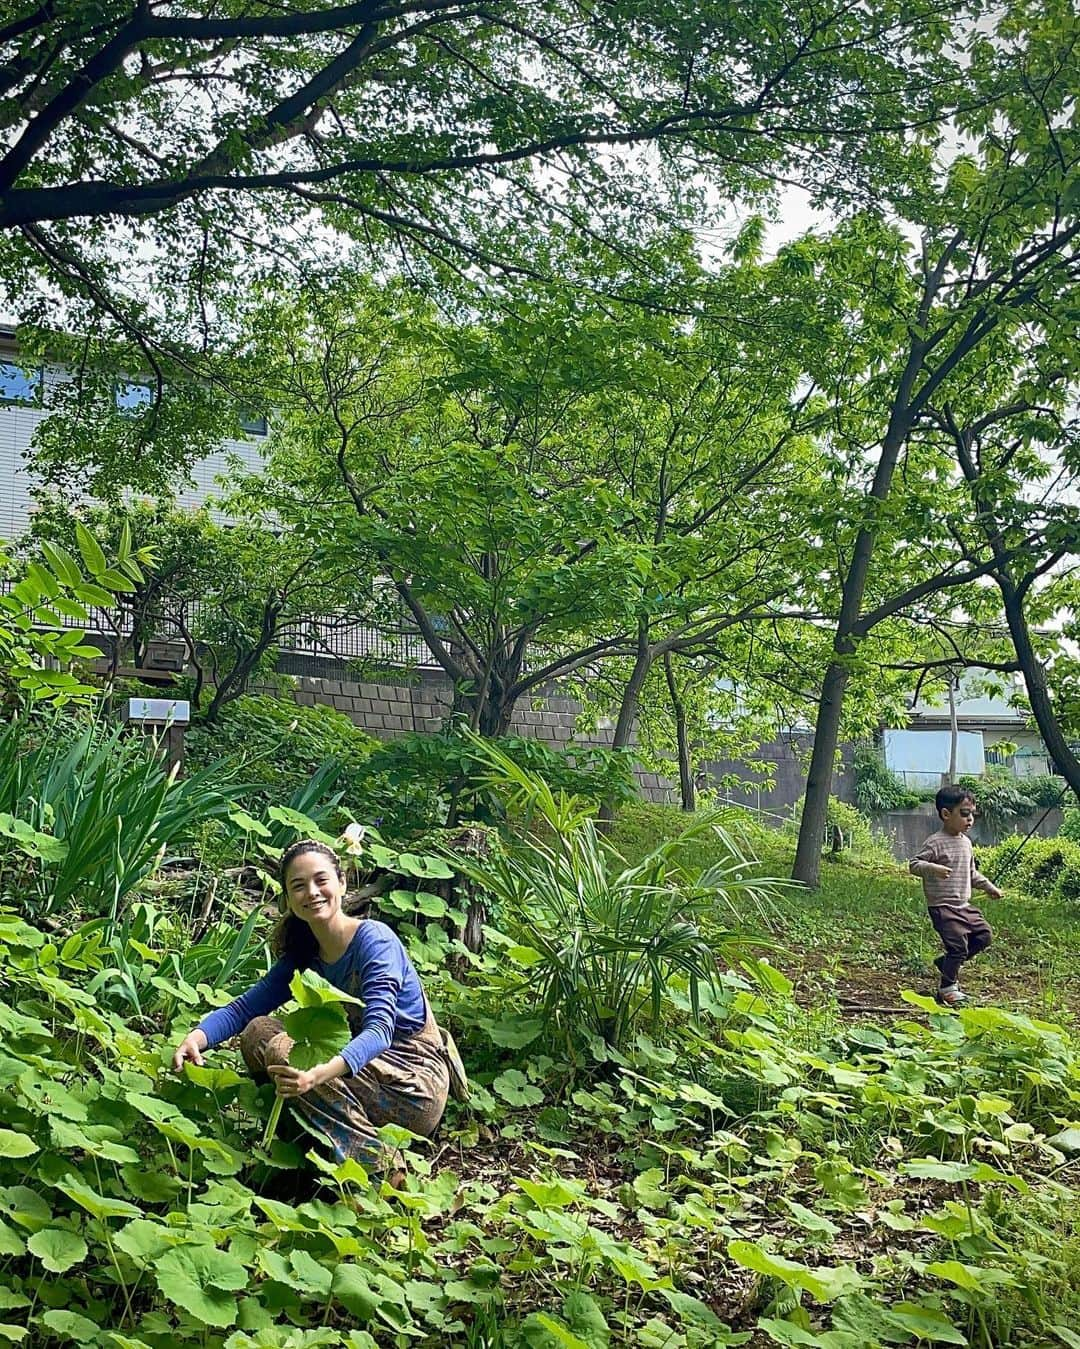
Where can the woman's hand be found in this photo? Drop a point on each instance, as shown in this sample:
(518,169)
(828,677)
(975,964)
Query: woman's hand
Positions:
(189,1050)
(296,1081)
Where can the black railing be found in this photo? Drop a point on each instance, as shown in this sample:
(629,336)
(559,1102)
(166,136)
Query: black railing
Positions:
(389,642)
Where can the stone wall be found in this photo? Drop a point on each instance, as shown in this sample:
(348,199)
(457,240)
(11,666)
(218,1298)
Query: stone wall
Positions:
(906,829)
(388,710)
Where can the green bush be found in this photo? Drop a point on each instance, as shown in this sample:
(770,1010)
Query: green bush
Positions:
(859,838)
(1042,868)
(416,781)
(878,789)
(84,819)
(279,746)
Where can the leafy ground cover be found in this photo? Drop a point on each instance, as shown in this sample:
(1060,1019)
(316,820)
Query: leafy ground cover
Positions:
(863,936)
(769,1172)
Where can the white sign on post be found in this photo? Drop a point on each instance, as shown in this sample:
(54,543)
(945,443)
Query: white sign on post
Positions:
(159,711)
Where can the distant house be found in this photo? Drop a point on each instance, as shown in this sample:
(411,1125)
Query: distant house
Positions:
(919,752)
(25,396)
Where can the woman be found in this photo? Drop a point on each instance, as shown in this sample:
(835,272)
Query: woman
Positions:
(393,1071)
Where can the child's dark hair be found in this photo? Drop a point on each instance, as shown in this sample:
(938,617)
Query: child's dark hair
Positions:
(951,796)
(293,937)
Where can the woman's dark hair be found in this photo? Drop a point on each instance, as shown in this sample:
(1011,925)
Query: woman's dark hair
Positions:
(292,937)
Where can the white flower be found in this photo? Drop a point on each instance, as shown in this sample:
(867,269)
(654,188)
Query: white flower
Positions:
(354,837)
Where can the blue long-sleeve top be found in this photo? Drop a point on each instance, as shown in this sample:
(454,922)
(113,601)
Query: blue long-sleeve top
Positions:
(374,968)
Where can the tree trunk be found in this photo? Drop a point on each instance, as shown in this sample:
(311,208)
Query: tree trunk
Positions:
(807,868)
(678,707)
(954,729)
(643,659)
(1038,691)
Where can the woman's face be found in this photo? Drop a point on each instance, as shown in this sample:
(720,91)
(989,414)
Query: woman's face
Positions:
(313,888)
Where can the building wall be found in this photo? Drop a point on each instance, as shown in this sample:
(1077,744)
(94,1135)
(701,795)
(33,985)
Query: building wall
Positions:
(18,424)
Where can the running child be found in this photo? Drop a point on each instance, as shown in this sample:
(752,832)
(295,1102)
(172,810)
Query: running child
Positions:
(946,866)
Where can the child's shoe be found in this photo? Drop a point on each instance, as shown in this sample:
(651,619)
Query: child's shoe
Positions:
(951,996)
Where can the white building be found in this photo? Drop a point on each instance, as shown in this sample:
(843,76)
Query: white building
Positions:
(919,753)
(24,404)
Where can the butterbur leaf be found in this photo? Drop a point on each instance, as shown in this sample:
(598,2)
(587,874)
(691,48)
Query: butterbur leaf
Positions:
(541,1331)
(203,1281)
(101,1206)
(312,990)
(319,1033)
(514,1032)
(823,1284)
(972,1278)
(514,1087)
(16,1334)
(14,1144)
(433,868)
(57,1248)
(32,841)
(72,1326)
(925,1323)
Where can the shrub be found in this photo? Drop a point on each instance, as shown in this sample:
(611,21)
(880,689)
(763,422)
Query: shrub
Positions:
(603,943)
(1041,868)
(877,788)
(421,781)
(84,820)
(279,746)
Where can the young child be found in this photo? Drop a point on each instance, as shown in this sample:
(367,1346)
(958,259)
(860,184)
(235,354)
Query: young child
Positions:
(946,866)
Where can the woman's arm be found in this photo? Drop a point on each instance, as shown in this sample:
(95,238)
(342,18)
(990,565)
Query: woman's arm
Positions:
(297,1081)
(382,966)
(221,1024)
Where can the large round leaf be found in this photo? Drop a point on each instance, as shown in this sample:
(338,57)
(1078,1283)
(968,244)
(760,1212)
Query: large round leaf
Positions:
(72,1326)
(57,1248)
(202,1280)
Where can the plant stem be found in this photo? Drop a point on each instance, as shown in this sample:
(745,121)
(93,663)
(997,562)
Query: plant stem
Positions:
(272,1122)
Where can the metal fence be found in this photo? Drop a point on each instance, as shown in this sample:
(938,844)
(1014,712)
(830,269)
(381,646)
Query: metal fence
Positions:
(392,641)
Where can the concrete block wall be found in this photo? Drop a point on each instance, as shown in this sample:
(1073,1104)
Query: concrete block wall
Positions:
(391,710)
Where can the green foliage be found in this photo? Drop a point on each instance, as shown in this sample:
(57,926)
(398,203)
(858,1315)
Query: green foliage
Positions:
(277,746)
(877,788)
(858,837)
(85,822)
(36,652)
(416,781)
(601,942)
(1045,869)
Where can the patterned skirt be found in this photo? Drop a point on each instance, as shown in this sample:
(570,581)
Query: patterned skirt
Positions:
(406,1084)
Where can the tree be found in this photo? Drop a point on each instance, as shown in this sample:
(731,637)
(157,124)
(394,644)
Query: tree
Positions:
(459,463)
(1019,462)
(189,137)
(230,594)
(999,249)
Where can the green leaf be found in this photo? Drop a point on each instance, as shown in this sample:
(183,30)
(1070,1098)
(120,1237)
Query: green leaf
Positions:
(13,1144)
(925,1323)
(972,1278)
(57,1248)
(62,563)
(432,868)
(32,842)
(823,1284)
(72,1326)
(203,1281)
(90,549)
(514,1032)
(513,1086)
(98,1204)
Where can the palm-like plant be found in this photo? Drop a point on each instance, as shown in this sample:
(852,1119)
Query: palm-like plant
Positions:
(606,941)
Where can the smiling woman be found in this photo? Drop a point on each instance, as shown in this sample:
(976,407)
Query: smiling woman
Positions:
(393,1071)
